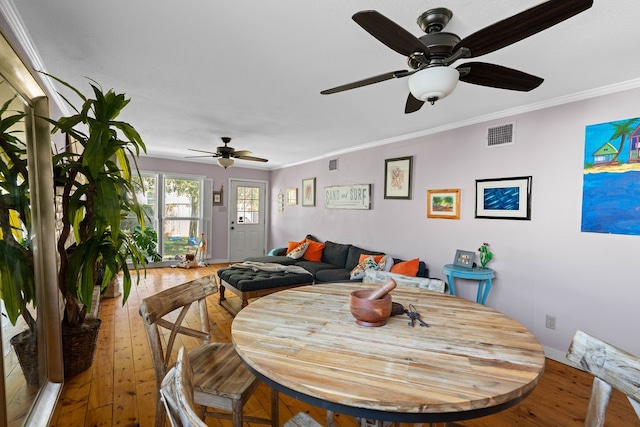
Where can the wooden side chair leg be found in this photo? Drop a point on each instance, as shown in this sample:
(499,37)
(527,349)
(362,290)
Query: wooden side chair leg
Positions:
(202,411)
(275,413)
(330,419)
(161,413)
(600,394)
(236,408)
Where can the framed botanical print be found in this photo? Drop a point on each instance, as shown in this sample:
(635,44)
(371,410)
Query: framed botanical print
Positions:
(309,192)
(397,178)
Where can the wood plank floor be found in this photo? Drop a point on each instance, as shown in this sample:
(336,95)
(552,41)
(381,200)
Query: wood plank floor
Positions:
(119,390)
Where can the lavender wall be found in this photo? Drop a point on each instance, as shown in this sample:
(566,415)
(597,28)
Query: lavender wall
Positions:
(218,239)
(543,266)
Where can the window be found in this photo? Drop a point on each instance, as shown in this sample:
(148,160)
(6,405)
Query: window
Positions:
(173,207)
(248,204)
(182,217)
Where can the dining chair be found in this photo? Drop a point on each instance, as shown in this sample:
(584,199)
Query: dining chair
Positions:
(220,378)
(176,393)
(612,368)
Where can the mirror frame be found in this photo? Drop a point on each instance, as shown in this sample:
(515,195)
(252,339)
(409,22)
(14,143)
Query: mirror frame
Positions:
(38,139)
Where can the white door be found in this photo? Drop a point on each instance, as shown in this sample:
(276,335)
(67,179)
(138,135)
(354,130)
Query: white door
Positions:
(247,219)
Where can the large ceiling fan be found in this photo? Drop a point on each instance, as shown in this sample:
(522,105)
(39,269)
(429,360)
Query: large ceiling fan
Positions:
(226,154)
(430,56)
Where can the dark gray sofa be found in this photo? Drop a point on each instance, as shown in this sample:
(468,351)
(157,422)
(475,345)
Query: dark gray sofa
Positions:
(338,259)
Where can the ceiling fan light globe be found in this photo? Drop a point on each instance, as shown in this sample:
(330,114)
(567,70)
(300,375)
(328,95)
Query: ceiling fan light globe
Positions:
(433,83)
(225,162)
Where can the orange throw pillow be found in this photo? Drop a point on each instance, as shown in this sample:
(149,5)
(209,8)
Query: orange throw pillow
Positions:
(407,268)
(314,251)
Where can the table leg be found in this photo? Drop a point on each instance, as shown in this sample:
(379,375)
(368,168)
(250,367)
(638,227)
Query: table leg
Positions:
(487,288)
(480,291)
(452,286)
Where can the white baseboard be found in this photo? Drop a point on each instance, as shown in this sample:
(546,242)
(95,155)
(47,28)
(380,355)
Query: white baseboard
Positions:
(558,356)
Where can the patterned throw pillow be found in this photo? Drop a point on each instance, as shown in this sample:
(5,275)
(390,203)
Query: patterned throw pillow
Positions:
(385,262)
(299,251)
(358,270)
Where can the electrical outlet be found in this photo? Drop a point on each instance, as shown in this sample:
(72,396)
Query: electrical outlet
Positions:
(551,322)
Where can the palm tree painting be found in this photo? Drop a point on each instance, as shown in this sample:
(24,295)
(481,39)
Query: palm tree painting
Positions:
(611,178)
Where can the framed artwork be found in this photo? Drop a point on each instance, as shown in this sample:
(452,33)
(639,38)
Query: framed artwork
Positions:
(352,196)
(397,178)
(217,198)
(309,192)
(292,196)
(464,259)
(444,204)
(611,166)
(504,198)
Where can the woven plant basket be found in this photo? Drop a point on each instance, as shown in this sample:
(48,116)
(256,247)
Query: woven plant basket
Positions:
(26,349)
(79,346)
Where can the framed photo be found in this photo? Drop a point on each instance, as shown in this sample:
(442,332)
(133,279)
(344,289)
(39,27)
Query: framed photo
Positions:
(444,204)
(464,259)
(309,192)
(504,198)
(397,178)
(217,198)
(292,196)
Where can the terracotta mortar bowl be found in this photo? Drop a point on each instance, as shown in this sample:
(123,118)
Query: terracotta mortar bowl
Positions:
(369,312)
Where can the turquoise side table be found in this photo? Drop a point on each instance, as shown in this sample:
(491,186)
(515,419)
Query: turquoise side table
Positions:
(482,275)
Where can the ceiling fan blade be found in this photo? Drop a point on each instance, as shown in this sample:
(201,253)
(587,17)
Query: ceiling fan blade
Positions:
(253,159)
(520,26)
(413,104)
(198,157)
(202,151)
(241,153)
(390,33)
(481,73)
(369,81)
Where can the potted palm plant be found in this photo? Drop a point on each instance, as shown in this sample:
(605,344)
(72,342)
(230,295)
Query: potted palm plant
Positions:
(94,191)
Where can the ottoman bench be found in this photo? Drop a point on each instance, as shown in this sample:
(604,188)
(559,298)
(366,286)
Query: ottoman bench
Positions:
(247,282)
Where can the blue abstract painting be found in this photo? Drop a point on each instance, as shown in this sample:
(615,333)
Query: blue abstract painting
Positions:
(504,198)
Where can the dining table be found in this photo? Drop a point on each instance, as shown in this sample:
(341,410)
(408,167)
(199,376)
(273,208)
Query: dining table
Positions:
(469,361)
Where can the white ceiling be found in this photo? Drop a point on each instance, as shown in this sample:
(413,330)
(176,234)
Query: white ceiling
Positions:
(253,70)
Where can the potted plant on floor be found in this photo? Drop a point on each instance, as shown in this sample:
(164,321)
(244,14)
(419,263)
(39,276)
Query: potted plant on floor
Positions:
(94,192)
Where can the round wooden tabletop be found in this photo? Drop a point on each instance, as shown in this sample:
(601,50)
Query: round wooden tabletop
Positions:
(470,361)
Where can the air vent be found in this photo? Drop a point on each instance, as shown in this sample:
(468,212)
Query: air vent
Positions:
(500,135)
(333,165)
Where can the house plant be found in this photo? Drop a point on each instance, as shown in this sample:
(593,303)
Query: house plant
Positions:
(94,192)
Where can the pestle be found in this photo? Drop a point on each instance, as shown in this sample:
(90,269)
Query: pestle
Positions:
(386,287)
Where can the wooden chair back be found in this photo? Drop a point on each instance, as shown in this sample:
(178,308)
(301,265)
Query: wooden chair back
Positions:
(154,309)
(611,367)
(177,394)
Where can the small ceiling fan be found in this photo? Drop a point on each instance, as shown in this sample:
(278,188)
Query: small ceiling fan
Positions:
(226,154)
(429,56)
